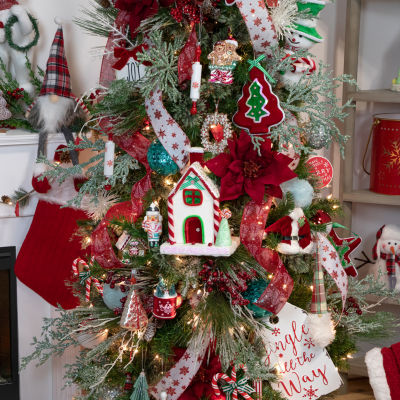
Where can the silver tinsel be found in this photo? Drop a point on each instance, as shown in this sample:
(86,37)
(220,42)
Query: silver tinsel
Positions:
(318,138)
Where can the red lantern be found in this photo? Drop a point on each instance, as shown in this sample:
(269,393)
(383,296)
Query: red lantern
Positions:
(385,155)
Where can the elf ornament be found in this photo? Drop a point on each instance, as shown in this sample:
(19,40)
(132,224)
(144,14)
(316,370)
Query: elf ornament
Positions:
(152,224)
(54,109)
(258,107)
(223,61)
(387,253)
(302,37)
(165,301)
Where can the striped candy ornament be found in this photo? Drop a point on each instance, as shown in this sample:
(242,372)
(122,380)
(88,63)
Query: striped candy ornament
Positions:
(258,387)
(232,387)
(217,218)
(86,278)
(171,232)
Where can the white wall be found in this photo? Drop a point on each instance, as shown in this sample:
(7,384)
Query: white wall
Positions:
(16,168)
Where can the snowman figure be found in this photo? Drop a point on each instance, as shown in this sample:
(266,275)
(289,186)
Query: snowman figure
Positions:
(21,35)
(152,224)
(303,36)
(387,253)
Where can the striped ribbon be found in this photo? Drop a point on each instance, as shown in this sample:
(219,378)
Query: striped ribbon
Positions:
(85,277)
(258,387)
(225,213)
(192,180)
(232,387)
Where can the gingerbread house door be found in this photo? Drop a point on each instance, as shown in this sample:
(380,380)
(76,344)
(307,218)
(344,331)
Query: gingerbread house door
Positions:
(193,230)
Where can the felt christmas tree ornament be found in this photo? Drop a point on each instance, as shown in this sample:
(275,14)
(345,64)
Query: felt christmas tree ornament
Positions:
(384,371)
(140,391)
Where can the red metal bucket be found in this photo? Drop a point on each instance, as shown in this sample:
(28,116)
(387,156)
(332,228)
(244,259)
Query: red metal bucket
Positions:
(385,155)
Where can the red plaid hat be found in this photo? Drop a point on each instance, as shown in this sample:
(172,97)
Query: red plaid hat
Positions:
(57,79)
(6,4)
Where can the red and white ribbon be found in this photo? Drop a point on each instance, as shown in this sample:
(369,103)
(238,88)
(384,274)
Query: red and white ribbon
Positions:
(330,260)
(258,387)
(169,133)
(225,213)
(178,378)
(259,24)
(89,280)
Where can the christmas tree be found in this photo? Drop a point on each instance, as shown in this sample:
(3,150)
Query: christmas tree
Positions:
(172,293)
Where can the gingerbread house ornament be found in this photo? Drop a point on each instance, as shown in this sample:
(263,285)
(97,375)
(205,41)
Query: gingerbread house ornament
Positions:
(194,215)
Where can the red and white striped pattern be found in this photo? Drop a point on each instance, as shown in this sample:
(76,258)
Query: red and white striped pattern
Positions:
(217,218)
(89,281)
(216,378)
(171,227)
(258,387)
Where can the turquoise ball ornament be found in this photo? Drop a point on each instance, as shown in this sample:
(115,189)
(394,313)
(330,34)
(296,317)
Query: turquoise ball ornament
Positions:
(254,290)
(112,296)
(160,161)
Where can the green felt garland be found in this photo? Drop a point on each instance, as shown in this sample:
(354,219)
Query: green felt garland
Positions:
(9,24)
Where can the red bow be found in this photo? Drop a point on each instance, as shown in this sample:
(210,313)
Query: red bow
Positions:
(123,55)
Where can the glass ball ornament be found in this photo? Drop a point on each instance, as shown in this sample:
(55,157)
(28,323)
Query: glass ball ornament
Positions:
(319,138)
(254,290)
(160,161)
(112,296)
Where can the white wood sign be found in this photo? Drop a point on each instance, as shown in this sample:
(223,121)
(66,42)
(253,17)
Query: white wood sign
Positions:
(132,72)
(306,372)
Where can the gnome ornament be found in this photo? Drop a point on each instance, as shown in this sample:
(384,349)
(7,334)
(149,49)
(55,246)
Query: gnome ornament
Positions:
(152,224)
(14,49)
(302,37)
(5,113)
(54,109)
(387,253)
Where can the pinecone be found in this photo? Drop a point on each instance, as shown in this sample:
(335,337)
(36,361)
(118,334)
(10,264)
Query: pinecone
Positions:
(6,199)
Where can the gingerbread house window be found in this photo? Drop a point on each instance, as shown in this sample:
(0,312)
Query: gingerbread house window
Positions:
(192,197)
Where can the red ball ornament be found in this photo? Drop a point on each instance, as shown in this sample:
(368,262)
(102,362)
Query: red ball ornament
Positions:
(107,187)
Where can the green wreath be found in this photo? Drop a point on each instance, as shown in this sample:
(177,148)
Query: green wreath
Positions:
(9,24)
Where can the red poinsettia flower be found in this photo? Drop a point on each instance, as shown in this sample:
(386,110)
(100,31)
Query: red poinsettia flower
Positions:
(243,170)
(133,12)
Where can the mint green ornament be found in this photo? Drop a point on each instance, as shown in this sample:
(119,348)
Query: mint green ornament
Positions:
(140,388)
(224,234)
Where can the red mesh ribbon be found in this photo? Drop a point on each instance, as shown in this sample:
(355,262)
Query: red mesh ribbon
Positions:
(107,73)
(135,145)
(187,57)
(251,234)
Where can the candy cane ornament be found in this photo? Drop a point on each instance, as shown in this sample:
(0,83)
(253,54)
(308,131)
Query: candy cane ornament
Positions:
(233,386)
(85,277)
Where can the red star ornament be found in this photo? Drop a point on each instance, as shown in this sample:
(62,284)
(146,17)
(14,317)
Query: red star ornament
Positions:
(258,108)
(344,247)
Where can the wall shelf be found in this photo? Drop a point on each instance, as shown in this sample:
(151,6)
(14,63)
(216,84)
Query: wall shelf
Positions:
(368,197)
(377,96)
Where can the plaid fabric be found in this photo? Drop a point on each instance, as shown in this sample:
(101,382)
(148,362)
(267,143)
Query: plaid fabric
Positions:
(318,302)
(391,261)
(57,79)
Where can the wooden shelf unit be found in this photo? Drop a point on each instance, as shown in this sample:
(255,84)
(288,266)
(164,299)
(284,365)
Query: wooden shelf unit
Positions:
(347,193)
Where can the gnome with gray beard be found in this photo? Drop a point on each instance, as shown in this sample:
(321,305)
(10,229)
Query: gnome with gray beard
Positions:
(56,109)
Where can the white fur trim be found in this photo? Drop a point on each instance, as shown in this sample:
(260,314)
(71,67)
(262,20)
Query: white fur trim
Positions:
(308,249)
(296,214)
(39,169)
(53,114)
(200,249)
(390,232)
(60,194)
(322,330)
(292,248)
(377,374)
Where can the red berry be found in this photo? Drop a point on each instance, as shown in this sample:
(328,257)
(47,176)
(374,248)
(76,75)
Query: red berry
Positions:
(359,312)
(107,187)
